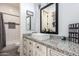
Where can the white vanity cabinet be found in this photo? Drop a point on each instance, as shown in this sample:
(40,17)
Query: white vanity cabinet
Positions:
(52,52)
(33,48)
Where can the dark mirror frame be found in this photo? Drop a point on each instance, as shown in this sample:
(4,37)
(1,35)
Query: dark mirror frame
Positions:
(56,17)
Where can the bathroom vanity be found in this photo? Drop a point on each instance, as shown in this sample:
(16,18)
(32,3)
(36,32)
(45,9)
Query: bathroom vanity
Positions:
(49,47)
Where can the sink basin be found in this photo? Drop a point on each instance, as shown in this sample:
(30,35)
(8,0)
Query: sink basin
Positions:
(29,33)
(40,36)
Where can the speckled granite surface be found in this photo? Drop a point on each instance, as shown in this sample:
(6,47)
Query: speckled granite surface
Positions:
(66,47)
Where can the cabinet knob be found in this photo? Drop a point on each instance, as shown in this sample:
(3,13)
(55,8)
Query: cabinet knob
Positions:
(29,50)
(30,43)
(37,46)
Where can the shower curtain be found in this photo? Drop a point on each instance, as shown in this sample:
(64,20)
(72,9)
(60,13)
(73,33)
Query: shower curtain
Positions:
(2,32)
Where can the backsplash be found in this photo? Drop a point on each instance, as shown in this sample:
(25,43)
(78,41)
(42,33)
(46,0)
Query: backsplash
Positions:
(59,37)
(56,37)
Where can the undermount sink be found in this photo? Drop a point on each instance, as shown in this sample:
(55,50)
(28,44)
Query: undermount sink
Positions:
(40,36)
(29,33)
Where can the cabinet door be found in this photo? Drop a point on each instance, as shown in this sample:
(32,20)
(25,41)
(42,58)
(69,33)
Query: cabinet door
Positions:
(40,50)
(30,52)
(25,43)
(38,53)
(25,52)
(30,48)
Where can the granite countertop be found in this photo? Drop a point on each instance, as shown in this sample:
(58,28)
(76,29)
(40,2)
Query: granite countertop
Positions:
(63,46)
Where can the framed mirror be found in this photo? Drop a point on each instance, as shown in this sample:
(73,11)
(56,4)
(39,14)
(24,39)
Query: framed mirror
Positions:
(29,16)
(49,18)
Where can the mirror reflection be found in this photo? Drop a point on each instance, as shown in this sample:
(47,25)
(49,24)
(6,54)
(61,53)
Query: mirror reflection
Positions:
(28,19)
(48,18)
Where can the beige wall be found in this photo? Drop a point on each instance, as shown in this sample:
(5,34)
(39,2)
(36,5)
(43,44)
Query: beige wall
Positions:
(12,35)
(10,8)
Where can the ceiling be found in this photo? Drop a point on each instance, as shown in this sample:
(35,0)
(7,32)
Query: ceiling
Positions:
(14,4)
(11,4)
